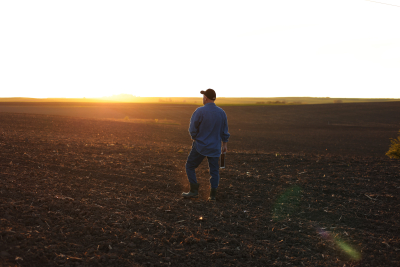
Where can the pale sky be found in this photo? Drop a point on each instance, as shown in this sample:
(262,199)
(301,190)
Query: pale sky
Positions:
(318,48)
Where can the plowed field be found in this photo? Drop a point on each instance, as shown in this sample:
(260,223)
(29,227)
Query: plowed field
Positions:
(304,186)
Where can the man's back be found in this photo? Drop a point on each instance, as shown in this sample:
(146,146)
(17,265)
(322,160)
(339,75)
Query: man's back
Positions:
(208,127)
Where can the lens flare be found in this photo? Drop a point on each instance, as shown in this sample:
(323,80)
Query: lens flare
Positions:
(350,251)
(354,254)
(287,203)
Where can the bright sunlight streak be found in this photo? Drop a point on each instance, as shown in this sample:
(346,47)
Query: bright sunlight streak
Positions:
(332,48)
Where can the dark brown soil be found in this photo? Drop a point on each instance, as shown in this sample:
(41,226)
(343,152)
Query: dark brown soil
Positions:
(304,186)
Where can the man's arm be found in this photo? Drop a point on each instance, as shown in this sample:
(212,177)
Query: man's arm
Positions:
(194,125)
(224,147)
(225,135)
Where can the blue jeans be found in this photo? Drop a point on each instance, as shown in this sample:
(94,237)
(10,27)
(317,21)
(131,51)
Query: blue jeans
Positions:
(193,161)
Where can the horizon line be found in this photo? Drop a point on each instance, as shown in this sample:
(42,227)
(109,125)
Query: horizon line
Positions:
(132,96)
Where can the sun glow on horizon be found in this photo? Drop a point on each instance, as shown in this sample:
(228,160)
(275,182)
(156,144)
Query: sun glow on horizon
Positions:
(94,49)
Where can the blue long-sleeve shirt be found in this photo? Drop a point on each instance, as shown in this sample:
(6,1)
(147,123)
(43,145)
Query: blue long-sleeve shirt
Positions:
(208,127)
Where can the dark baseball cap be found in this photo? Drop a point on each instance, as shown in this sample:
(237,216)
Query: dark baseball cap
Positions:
(209,93)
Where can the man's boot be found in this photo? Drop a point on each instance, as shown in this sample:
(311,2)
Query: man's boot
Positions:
(194,191)
(213,194)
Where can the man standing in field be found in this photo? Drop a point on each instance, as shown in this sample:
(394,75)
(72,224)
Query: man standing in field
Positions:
(208,128)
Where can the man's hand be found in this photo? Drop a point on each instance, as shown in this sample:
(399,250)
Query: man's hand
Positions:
(224,148)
